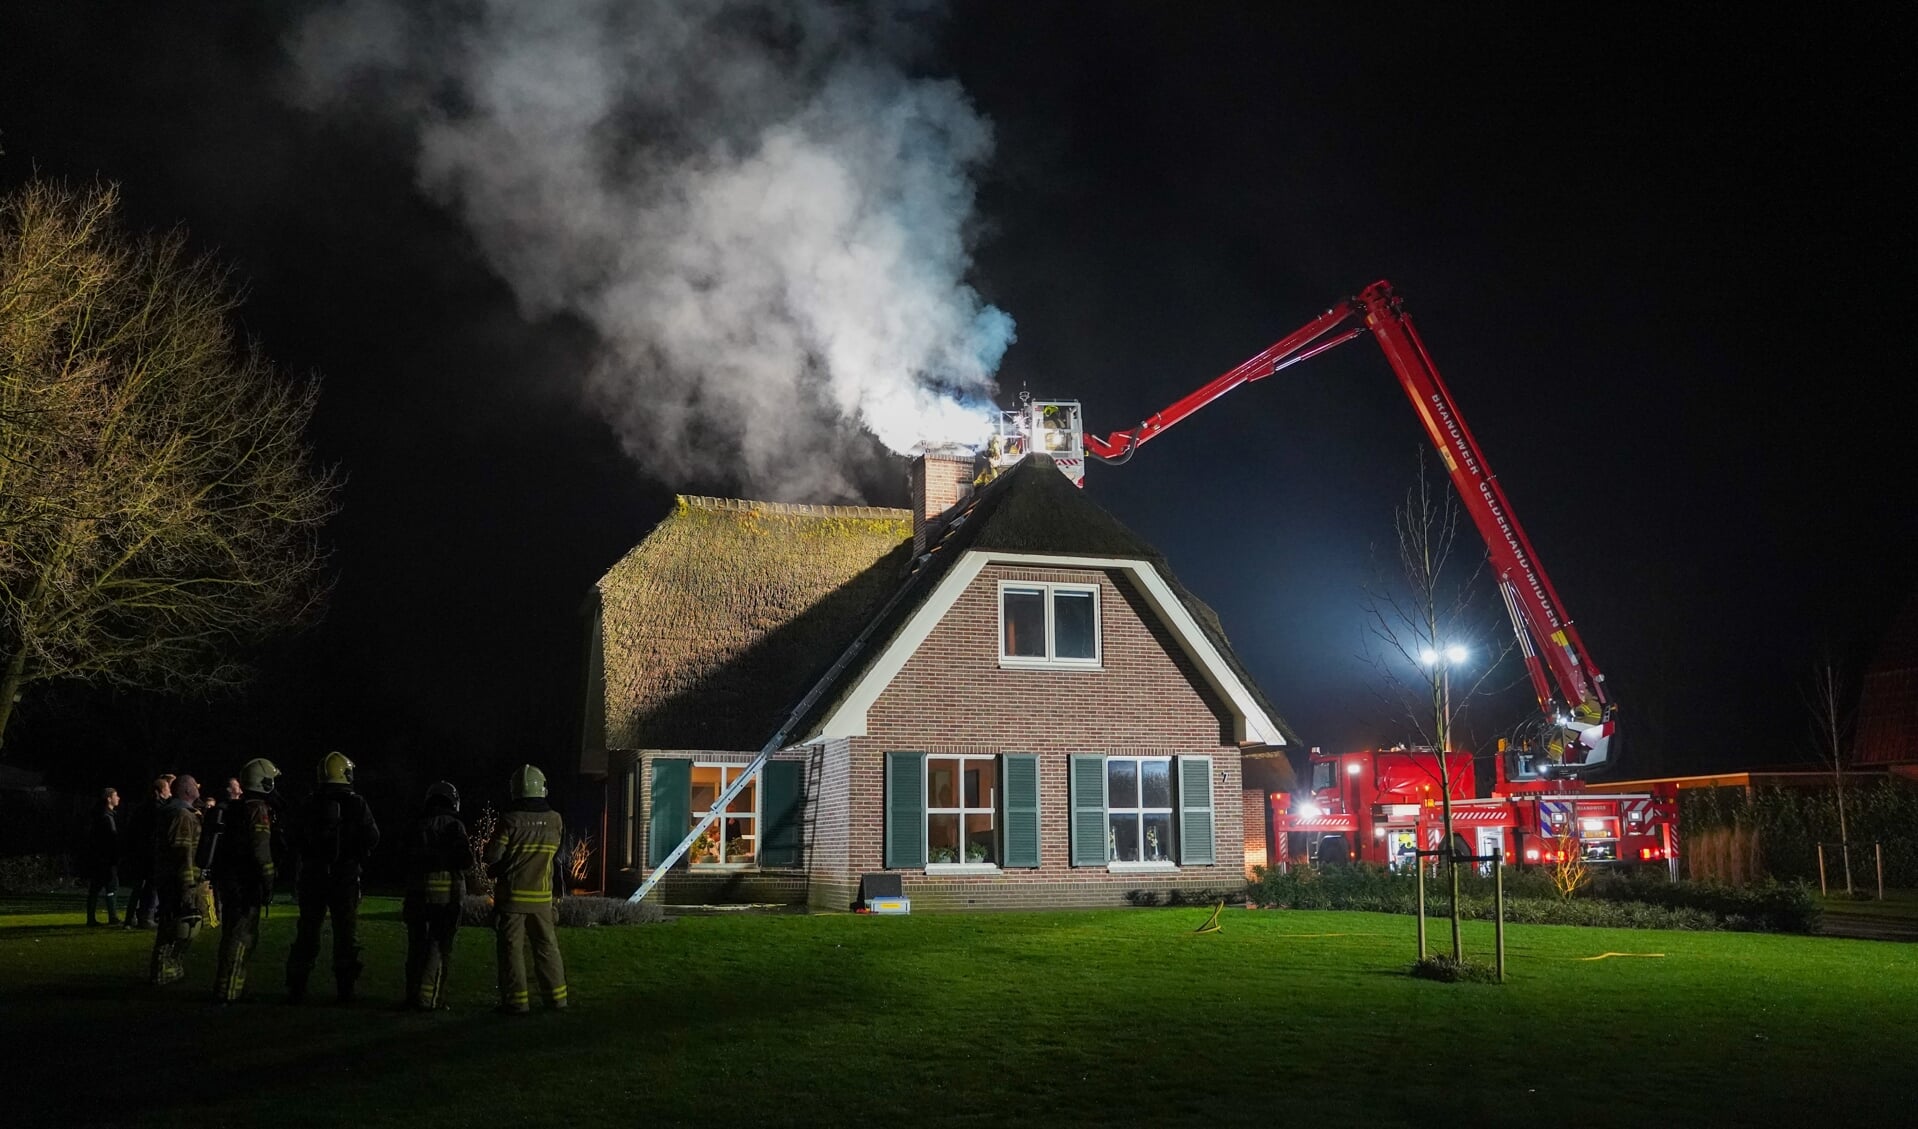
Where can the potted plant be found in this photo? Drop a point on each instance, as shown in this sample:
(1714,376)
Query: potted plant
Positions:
(942,854)
(976,852)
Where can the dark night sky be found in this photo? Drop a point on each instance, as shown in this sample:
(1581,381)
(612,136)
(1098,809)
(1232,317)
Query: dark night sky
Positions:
(1653,258)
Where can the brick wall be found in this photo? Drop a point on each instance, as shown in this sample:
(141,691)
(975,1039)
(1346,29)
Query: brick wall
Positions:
(952,697)
(1147,699)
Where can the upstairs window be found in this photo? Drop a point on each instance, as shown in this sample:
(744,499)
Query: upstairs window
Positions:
(1048,624)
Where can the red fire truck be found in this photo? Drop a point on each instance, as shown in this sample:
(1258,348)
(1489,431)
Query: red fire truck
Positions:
(1379,805)
(1578,717)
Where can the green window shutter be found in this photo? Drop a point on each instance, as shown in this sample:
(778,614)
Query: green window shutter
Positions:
(783,800)
(1088,810)
(905,811)
(1195,812)
(671,816)
(1022,809)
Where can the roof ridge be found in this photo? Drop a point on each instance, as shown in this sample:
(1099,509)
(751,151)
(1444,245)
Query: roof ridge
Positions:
(799,509)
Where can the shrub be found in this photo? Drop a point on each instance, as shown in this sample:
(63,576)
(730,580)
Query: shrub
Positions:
(30,874)
(1451,971)
(1614,900)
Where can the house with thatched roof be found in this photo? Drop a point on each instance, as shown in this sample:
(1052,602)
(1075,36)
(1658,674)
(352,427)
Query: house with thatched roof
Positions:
(1001,695)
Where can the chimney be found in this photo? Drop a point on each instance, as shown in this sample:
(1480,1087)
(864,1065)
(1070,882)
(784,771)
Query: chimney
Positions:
(941,479)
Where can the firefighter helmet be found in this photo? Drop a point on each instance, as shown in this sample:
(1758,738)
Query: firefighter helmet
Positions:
(444,790)
(335,768)
(258,775)
(528,783)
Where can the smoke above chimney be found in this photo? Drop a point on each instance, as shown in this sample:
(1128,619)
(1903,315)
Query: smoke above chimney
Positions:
(762,215)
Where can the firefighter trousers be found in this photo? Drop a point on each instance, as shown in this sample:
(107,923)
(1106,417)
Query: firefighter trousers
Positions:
(239,934)
(430,930)
(177,924)
(341,899)
(516,930)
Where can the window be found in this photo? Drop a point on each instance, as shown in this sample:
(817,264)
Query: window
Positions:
(962,797)
(733,839)
(629,805)
(1139,809)
(1048,624)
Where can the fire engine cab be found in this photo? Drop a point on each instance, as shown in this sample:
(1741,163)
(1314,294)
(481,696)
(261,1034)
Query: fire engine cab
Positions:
(1380,805)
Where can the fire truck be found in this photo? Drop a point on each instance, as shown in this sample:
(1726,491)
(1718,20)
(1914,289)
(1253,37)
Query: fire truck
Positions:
(1378,804)
(1578,717)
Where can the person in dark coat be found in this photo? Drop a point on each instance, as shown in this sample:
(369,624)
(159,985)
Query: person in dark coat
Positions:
(103,857)
(336,834)
(136,854)
(438,855)
(243,873)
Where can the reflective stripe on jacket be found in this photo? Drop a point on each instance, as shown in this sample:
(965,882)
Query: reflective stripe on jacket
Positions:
(520,857)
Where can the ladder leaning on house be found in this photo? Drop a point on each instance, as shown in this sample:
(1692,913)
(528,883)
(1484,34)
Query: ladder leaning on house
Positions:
(778,740)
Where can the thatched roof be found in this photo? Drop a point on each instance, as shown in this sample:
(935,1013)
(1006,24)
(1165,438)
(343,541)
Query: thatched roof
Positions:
(715,627)
(722,618)
(1032,508)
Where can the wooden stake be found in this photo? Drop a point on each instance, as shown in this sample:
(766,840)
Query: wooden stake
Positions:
(1498,922)
(1418,864)
(1879,850)
(1821,869)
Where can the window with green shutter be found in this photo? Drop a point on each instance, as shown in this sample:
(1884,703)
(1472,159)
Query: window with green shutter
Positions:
(905,835)
(1022,810)
(784,808)
(671,807)
(1195,812)
(1088,787)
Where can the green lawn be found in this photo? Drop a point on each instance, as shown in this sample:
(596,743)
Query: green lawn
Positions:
(1898,904)
(1119,1017)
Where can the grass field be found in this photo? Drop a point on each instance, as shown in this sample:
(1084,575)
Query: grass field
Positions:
(1119,1017)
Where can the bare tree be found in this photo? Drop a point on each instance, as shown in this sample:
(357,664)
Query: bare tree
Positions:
(1829,697)
(1423,629)
(158,509)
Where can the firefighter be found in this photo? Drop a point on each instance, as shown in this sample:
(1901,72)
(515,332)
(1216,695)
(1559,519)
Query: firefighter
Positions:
(438,855)
(176,879)
(335,833)
(243,874)
(521,858)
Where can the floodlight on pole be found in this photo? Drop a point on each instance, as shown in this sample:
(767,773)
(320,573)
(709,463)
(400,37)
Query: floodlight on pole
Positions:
(1429,657)
(1455,653)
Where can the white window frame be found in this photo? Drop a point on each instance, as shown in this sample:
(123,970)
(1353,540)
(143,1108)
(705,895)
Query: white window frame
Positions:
(990,807)
(725,780)
(1050,660)
(1140,811)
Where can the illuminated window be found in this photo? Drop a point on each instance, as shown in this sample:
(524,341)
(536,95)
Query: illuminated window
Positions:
(1048,624)
(733,839)
(1139,809)
(962,795)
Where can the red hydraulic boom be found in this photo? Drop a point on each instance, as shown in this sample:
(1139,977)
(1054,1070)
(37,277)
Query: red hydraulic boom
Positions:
(1570,689)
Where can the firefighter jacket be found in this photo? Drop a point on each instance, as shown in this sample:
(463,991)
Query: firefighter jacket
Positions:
(336,835)
(438,855)
(522,855)
(176,846)
(245,858)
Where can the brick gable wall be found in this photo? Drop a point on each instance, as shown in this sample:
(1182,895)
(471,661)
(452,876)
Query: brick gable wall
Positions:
(952,697)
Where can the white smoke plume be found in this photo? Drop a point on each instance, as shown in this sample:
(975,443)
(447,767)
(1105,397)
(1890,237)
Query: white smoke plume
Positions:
(760,211)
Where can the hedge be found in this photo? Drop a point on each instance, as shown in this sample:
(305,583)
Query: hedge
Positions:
(1611,900)
(1788,823)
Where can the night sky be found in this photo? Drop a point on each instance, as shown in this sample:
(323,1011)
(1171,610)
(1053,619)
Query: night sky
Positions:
(1653,257)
